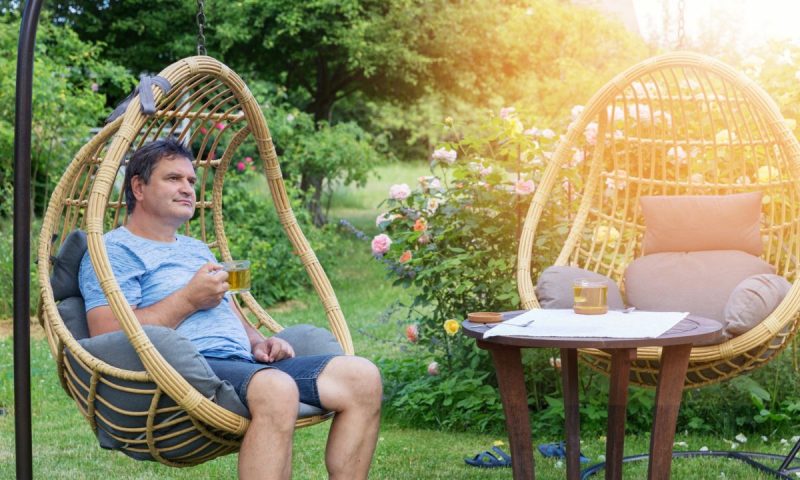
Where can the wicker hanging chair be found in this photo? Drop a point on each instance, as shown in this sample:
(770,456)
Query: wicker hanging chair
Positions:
(677,124)
(208,106)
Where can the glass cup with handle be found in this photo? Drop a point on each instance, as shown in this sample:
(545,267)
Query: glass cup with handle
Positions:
(238,275)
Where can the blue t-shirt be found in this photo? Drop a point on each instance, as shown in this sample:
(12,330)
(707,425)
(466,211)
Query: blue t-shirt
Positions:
(148,271)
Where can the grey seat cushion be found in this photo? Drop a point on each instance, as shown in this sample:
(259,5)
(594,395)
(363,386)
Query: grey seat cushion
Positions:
(73,313)
(115,349)
(66,265)
(554,288)
(64,281)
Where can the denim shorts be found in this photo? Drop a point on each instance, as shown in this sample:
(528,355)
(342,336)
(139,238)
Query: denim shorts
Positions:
(304,370)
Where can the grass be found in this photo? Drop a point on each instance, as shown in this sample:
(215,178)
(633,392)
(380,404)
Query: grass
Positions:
(65,448)
(360,206)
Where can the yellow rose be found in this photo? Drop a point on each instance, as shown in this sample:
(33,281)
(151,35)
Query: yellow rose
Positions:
(603,233)
(451,327)
(767,173)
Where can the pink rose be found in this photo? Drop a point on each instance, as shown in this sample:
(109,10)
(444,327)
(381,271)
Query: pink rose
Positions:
(383,217)
(576,112)
(381,244)
(203,130)
(241,166)
(444,155)
(220,126)
(412,333)
(507,112)
(248,160)
(591,133)
(524,187)
(399,191)
(433,369)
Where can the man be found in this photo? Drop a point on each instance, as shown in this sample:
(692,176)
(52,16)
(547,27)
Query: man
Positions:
(174,281)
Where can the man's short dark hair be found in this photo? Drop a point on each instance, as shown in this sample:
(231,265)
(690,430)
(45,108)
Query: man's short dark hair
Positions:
(144,161)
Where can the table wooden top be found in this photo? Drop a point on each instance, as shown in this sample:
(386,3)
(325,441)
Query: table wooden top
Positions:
(690,330)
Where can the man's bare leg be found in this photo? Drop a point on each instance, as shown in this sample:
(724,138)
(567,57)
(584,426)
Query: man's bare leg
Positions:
(351,386)
(266,451)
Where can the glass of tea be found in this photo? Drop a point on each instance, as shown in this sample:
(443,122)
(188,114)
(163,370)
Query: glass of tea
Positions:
(591,297)
(238,275)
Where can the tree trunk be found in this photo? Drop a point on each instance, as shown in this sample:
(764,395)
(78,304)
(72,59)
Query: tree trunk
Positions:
(313,183)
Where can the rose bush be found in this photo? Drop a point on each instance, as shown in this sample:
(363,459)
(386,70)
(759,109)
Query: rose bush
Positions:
(454,238)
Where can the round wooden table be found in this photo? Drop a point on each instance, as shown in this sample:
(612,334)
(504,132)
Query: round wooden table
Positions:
(677,344)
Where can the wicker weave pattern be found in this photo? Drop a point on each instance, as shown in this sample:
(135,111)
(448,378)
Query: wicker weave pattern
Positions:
(209,106)
(677,124)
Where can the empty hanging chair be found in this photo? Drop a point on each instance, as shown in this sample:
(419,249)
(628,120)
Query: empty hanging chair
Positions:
(680,124)
(146,394)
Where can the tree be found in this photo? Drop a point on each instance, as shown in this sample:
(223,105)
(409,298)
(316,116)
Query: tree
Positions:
(66,103)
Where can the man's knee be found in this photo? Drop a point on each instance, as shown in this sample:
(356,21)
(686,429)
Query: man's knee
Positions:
(272,392)
(352,380)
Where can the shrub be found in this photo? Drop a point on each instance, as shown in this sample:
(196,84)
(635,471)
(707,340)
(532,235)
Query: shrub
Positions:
(454,239)
(255,233)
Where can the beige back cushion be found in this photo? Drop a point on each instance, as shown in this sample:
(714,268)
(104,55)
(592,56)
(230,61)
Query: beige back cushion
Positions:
(695,282)
(752,301)
(702,222)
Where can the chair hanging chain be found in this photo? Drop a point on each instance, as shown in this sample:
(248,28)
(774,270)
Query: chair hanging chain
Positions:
(201,25)
(681,26)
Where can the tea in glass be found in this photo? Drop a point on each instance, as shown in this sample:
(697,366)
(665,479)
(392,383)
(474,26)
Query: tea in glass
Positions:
(591,297)
(238,275)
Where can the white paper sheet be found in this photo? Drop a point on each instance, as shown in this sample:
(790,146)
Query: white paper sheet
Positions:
(566,323)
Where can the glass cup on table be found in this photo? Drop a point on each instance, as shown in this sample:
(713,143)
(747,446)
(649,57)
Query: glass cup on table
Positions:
(591,297)
(238,275)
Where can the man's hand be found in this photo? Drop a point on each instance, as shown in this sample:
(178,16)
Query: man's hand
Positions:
(207,287)
(272,349)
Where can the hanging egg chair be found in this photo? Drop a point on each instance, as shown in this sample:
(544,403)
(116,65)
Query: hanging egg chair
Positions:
(153,411)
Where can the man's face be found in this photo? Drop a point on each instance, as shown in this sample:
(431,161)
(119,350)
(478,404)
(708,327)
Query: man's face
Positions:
(170,195)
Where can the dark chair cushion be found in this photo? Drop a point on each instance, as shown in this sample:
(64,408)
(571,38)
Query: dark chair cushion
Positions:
(73,313)
(64,279)
(115,349)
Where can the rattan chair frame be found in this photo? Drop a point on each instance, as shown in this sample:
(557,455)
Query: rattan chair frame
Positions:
(207,97)
(698,97)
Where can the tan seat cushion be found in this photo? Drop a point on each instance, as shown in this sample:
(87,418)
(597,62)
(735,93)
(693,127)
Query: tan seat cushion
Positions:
(752,301)
(695,282)
(554,288)
(703,222)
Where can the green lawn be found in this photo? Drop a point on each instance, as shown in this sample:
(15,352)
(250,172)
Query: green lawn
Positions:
(65,448)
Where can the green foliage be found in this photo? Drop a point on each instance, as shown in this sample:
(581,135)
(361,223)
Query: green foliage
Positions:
(317,155)
(323,50)
(65,103)
(454,240)
(462,399)
(255,233)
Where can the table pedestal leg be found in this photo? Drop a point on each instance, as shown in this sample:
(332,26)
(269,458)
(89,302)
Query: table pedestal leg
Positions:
(569,379)
(617,410)
(508,365)
(674,362)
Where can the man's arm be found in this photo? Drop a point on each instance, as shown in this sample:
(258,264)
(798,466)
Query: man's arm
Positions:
(205,290)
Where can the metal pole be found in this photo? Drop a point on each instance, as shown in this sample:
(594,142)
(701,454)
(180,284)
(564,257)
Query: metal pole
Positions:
(22,239)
